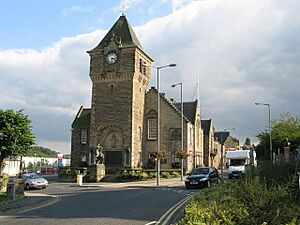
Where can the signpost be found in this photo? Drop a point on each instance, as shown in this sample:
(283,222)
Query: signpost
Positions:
(60,160)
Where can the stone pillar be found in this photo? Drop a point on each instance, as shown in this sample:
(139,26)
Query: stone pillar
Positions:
(96,172)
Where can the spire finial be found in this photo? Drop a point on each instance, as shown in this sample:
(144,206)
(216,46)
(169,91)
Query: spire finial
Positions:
(122,8)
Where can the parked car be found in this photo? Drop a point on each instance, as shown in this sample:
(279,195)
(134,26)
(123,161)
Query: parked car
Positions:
(202,177)
(32,180)
(48,170)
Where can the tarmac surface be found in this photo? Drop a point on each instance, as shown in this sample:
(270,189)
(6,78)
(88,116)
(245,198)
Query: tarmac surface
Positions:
(35,199)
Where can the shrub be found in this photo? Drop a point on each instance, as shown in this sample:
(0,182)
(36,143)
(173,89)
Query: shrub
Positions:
(165,175)
(272,205)
(253,200)
(151,175)
(215,206)
(175,174)
(133,175)
(70,171)
(3,181)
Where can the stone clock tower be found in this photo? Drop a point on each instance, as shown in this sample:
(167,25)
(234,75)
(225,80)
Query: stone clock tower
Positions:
(120,79)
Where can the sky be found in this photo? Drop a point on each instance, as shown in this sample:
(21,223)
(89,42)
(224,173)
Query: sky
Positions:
(241,52)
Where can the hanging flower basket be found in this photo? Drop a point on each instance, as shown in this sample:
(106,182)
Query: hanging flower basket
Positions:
(158,154)
(181,154)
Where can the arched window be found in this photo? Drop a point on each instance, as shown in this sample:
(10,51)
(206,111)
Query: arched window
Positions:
(152,125)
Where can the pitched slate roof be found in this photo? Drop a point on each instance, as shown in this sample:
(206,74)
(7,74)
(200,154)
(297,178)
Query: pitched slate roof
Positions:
(206,124)
(123,32)
(170,102)
(82,119)
(221,136)
(189,109)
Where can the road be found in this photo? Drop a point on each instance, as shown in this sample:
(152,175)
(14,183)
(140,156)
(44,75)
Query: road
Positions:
(101,205)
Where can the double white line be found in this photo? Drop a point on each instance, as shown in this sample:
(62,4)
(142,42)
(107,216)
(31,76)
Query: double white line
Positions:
(166,218)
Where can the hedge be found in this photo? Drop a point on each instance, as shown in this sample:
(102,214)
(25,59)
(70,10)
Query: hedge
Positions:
(259,199)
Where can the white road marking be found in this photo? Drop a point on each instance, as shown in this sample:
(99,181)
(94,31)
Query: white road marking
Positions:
(153,222)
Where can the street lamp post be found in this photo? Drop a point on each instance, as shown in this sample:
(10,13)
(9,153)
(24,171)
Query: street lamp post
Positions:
(158,68)
(222,149)
(181,100)
(270,133)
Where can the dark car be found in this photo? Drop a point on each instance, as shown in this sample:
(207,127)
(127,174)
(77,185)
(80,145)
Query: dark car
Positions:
(202,177)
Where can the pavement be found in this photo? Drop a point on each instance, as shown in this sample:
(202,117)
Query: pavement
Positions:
(22,203)
(33,200)
(174,182)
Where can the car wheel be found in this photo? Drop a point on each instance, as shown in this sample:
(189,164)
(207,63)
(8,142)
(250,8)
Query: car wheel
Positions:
(43,187)
(208,184)
(27,186)
(187,186)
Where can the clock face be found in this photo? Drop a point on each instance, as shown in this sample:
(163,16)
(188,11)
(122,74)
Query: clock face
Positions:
(111,58)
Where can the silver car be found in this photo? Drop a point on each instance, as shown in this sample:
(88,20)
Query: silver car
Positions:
(32,180)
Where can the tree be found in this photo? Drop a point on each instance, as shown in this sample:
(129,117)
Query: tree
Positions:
(285,127)
(16,135)
(39,151)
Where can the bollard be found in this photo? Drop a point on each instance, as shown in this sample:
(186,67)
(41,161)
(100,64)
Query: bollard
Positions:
(79,180)
(11,190)
(299,180)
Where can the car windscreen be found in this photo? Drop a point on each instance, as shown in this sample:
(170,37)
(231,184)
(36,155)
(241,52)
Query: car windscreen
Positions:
(200,171)
(34,176)
(237,162)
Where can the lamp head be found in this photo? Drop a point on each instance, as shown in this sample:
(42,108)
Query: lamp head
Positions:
(173,85)
(172,65)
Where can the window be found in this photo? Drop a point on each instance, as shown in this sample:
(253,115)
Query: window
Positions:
(83,157)
(191,135)
(83,136)
(142,67)
(175,133)
(112,88)
(127,157)
(152,128)
(164,161)
(140,133)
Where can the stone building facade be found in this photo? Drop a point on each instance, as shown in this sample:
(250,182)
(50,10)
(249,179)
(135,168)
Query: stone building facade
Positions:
(123,114)
(171,131)
(212,147)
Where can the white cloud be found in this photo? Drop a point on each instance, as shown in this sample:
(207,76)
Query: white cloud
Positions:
(126,4)
(178,4)
(77,8)
(247,51)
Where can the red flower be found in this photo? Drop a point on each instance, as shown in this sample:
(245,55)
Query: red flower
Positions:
(158,154)
(182,154)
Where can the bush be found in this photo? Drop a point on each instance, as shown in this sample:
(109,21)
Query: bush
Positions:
(165,175)
(70,171)
(133,175)
(215,206)
(3,181)
(151,175)
(260,198)
(175,174)
(272,205)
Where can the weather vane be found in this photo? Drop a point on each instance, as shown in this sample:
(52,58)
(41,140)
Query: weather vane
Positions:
(122,8)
